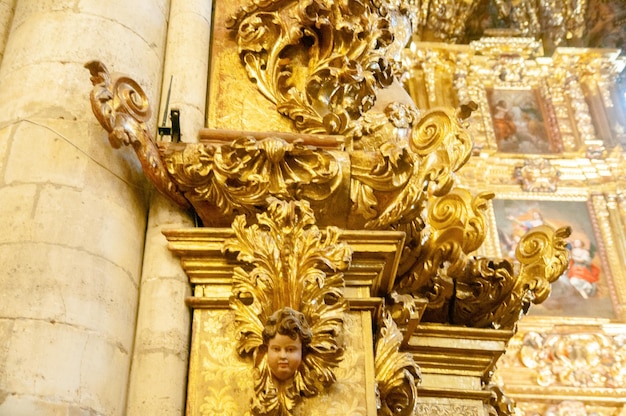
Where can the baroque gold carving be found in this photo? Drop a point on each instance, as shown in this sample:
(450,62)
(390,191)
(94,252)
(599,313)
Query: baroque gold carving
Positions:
(290,267)
(490,294)
(499,404)
(537,175)
(322,63)
(122,108)
(448,409)
(556,21)
(407,184)
(397,375)
(240,176)
(576,360)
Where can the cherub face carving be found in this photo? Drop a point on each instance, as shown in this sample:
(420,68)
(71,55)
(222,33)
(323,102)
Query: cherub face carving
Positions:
(286,335)
(284,355)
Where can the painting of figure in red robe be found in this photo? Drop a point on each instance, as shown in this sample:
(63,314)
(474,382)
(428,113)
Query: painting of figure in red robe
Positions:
(520,124)
(584,290)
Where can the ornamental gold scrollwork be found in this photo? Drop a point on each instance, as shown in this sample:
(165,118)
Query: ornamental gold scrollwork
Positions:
(290,291)
(537,175)
(491,294)
(397,374)
(322,62)
(582,359)
(437,147)
(122,108)
(456,228)
(240,176)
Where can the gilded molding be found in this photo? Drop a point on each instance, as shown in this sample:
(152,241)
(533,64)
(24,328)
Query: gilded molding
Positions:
(451,409)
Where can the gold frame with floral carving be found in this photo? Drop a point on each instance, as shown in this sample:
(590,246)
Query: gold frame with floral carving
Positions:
(568,363)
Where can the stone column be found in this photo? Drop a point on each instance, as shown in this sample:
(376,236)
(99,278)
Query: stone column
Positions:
(7,8)
(159,372)
(72,209)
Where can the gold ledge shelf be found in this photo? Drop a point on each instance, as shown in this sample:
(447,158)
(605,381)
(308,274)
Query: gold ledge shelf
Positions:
(446,350)
(369,278)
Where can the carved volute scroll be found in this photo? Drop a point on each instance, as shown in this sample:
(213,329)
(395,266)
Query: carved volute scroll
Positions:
(291,267)
(122,108)
(322,63)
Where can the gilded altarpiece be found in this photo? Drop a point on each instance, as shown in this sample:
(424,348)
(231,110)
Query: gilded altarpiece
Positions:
(350,212)
(569,361)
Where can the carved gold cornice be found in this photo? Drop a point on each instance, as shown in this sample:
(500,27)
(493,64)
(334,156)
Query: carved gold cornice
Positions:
(407,185)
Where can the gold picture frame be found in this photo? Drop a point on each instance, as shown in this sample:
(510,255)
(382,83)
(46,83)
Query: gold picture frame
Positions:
(587,289)
(523,121)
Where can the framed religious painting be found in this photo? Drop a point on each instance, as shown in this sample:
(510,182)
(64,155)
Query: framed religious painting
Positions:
(523,103)
(587,289)
(523,122)
(564,357)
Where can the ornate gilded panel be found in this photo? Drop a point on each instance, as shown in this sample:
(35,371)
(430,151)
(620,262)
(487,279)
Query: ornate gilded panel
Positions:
(220,381)
(547,133)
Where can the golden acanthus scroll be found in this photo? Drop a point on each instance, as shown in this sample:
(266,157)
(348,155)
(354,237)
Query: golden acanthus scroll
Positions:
(292,288)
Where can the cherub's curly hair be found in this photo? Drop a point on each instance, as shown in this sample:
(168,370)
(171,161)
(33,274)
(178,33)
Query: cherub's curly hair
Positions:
(287,321)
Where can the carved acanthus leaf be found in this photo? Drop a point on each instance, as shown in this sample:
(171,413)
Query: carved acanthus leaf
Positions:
(291,263)
(437,147)
(240,176)
(349,54)
(397,374)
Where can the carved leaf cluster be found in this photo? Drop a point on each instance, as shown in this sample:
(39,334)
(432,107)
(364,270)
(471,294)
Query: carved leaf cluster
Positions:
(240,176)
(291,263)
(348,55)
(397,374)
